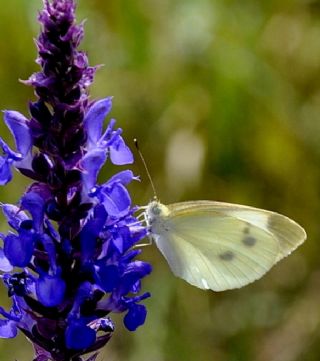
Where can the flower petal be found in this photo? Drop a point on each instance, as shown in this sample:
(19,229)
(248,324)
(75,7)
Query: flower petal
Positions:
(19,249)
(120,153)
(90,232)
(5,265)
(50,248)
(116,200)
(79,336)
(8,329)
(109,277)
(133,273)
(5,171)
(94,118)
(17,123)
(35,204)
(91,164)
(124,177)
(11,155)
(135,317)
(50,290)
(14,215)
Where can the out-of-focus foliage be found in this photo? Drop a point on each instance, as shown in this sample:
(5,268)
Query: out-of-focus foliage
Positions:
(224,98)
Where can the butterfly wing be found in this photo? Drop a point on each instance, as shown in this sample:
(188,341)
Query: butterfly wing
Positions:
(221,246)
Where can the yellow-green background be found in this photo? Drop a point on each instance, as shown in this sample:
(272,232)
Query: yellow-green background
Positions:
(224,98)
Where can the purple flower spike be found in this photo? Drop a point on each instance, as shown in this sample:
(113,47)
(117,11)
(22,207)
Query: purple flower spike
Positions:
(68,261)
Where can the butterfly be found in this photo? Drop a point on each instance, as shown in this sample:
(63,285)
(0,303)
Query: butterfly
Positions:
(221,246)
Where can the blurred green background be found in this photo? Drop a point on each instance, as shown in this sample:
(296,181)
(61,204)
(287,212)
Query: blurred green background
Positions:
(224,98)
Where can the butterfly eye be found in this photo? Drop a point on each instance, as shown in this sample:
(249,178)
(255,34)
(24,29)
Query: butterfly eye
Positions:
(156,210)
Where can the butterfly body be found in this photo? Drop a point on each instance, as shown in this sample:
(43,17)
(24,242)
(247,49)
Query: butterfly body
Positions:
(219,246)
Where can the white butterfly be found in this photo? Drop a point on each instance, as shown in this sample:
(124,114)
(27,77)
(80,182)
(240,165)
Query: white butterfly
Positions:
(221,246)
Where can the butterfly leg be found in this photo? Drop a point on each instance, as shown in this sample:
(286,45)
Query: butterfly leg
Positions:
(144,216)
(141,216)
(144,244)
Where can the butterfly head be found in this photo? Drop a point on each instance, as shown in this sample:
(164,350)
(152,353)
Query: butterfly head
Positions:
(155,215)
(156,210)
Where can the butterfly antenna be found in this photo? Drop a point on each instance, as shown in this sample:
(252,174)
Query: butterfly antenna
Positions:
(146,168)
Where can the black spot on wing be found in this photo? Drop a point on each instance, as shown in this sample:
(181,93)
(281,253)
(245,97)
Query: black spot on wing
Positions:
(246,230)
(249,241)
(227,256)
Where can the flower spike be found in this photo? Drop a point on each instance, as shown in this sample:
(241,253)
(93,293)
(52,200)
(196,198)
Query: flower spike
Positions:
(68,261)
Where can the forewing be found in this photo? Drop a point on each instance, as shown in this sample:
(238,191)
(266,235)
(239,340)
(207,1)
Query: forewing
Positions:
(219,246)
(288,233)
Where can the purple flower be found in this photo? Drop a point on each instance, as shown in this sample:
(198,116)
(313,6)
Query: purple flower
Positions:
(72,239)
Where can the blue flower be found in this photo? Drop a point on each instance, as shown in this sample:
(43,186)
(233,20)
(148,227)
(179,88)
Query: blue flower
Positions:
(18,125)
(69,260)
(99,146)
(111,141)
